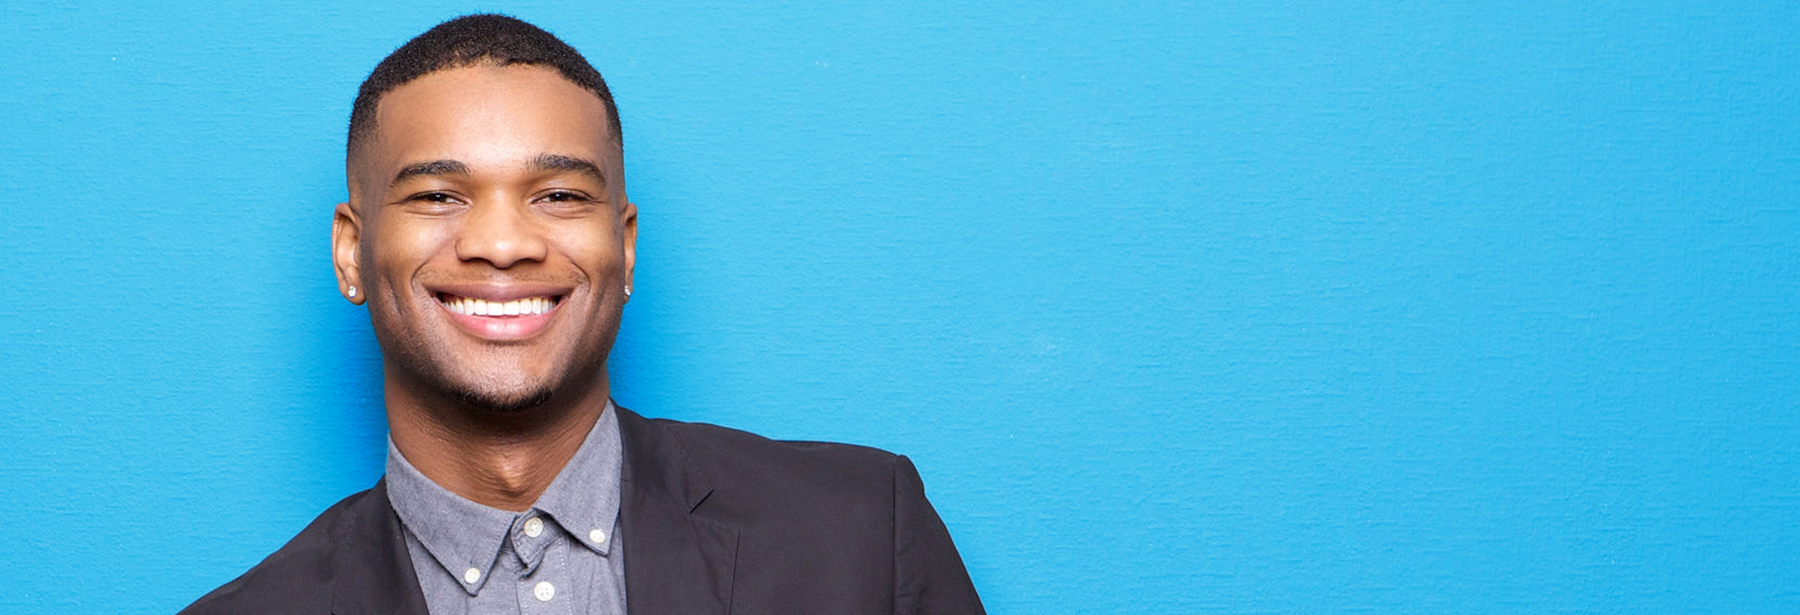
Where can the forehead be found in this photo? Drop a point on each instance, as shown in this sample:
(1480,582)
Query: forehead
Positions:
(488,116)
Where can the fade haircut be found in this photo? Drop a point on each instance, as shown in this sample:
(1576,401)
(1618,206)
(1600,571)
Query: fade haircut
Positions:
(473,40)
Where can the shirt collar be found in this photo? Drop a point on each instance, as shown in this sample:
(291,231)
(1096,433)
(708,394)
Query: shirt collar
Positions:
(463,535)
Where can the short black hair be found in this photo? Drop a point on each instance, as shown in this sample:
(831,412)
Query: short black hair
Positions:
(473,40)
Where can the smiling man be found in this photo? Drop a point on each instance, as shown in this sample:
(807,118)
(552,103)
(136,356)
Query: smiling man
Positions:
(489,234)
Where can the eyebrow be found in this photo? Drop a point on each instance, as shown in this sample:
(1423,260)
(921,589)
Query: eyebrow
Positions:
(429,169)
(558,162)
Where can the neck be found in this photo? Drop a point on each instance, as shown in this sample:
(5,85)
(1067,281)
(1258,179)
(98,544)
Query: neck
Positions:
(501,459)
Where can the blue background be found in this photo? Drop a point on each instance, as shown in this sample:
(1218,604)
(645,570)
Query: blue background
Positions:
(1401,307)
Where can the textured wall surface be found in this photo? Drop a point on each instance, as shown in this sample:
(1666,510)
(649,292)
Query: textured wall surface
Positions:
(1399,307)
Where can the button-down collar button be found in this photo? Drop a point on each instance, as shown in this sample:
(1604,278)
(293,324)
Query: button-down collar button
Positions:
(597,536)
(534,527)
(544,591)
(471,575)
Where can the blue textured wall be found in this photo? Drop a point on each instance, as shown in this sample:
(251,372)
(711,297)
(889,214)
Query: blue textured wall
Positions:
(1409,307)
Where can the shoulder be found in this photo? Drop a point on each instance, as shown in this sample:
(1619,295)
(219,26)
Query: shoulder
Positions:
(772,480)
(839,527)
(732,450)
(289,580)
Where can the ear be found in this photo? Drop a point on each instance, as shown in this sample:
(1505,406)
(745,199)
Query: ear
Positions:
(346,238)
(628,239)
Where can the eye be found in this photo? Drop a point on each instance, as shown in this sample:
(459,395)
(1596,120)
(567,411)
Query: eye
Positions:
(431,197)
(433,203)
(564,202)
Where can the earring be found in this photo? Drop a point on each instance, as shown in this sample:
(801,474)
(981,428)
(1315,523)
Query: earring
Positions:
(353,292)
(627,291)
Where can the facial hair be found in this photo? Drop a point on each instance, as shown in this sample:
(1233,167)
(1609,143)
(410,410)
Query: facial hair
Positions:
(496,402)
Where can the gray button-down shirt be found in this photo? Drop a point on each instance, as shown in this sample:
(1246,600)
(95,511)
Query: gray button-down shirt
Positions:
(558,557)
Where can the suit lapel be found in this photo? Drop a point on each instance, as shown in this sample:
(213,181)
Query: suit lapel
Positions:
(374,573)
(675,560)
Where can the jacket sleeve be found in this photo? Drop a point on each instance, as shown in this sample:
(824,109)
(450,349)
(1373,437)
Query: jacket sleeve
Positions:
(929,577)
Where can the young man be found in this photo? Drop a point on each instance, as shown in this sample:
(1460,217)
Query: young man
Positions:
(489,234)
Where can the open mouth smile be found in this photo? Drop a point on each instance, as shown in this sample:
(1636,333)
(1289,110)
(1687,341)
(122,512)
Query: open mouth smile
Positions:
(509,320)
(469,306)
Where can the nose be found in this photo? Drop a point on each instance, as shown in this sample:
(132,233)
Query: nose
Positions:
(501,233)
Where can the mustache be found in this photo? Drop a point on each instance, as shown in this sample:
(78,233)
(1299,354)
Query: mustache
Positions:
(492,277)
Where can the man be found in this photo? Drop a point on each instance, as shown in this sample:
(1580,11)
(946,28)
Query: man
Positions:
(489,234)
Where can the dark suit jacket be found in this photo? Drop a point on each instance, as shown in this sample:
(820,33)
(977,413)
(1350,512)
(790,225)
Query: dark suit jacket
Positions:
(713,520)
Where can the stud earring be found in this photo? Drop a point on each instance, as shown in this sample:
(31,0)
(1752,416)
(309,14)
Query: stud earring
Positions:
(353,292)
(627,291)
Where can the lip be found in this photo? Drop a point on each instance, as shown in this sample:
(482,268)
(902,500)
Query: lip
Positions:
(501,328)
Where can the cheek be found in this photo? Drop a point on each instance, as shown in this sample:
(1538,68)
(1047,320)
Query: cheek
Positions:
(594,248)
(404,246)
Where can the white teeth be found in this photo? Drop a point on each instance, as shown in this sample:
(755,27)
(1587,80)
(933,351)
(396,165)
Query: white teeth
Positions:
(478,307)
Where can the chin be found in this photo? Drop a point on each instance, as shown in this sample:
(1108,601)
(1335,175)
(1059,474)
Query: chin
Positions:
(496,392)
(506,401)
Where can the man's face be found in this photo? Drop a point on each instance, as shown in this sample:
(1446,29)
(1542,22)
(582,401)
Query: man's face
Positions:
(489,232)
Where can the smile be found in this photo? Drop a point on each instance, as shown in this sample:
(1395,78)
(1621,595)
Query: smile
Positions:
(469,306)
(503,321)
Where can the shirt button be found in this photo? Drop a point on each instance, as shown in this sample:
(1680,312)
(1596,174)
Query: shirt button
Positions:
(597,536)
(544,591)
(534,526)
(471,575)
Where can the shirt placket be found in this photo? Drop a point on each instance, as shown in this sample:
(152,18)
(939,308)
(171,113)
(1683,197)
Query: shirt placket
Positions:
(545,586)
